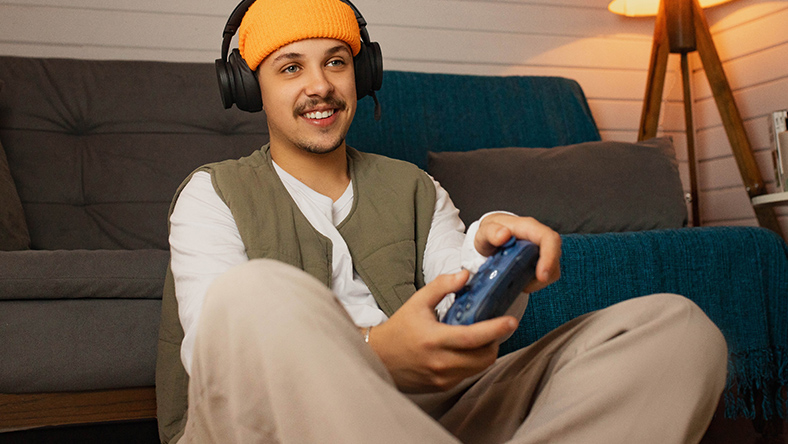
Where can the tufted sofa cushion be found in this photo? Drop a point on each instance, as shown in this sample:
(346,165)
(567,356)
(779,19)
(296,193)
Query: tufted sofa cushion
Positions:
(98,148)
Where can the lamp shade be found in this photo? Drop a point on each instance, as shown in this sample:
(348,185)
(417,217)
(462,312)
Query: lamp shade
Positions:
(642,8)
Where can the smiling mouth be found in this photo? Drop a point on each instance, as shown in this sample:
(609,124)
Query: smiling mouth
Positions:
(319,115)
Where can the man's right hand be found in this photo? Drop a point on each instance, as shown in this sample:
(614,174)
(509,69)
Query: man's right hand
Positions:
(425,355)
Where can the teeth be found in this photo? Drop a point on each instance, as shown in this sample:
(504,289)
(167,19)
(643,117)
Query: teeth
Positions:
(319,115)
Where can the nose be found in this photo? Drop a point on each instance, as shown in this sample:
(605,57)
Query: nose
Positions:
(319,84)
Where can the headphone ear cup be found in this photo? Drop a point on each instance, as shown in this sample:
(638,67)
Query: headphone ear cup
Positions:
(243,84)
(368,66)
(225,83)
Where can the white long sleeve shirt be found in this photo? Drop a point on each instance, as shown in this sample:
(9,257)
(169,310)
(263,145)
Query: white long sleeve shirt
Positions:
(205,243)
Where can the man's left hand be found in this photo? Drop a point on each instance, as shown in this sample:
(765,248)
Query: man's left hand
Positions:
(496,229)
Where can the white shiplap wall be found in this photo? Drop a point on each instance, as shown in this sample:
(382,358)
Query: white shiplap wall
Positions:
(579,39)
(752,39)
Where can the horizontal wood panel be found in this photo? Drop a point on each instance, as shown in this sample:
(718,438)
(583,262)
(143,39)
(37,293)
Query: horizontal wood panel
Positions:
(730,205)
(586,4)
(619,135)
(734,14)
(218,8)
(615,114)
(726,204)
(724,173)
(520,18)
(753,103)
(510,16)
(713,142)
(106,53)
(759,68)
(104,28)
(748,222)
(622,115)
(18,411)
(752,36)
(537,50)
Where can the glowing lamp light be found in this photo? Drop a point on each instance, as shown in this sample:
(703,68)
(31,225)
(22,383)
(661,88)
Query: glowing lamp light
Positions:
(644,8)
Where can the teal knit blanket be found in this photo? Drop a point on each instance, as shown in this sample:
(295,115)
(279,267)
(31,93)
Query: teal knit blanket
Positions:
(738,276)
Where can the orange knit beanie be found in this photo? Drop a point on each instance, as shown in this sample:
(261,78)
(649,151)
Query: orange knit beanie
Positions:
(270,24)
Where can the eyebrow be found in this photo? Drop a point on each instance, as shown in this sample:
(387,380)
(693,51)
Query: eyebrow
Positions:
(297,55)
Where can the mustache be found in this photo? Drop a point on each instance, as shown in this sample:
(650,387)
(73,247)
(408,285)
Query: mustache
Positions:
(330,101)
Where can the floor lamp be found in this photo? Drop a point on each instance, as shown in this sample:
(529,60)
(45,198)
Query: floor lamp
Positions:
(681,28)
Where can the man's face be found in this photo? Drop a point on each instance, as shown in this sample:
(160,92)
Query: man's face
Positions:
(309,94)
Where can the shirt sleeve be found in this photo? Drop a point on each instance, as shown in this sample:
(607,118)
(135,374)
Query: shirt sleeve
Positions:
(449,249)
(204,243)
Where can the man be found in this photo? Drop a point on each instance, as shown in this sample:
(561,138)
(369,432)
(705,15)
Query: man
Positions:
(296,271)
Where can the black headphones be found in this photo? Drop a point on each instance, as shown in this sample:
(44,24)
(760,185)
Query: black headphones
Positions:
(239,85)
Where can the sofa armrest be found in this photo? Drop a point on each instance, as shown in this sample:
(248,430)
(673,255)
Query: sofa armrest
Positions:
(737,275)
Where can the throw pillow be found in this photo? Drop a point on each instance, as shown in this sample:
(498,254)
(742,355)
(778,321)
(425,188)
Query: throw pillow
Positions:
(13,227)
(591,187)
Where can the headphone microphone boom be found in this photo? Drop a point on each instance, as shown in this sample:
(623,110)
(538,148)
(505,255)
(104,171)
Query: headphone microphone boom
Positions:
(239,85)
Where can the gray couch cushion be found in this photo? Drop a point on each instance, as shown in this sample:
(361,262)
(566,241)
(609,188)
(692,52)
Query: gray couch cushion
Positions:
(82,274)
(98,148)
(592,187)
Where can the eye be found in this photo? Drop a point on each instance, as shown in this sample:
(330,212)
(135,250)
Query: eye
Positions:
(290,69)
(335,63)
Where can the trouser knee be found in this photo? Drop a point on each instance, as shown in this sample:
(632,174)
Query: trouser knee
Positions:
(691,335)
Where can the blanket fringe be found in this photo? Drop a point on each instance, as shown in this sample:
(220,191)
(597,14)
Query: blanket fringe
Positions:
(756,385)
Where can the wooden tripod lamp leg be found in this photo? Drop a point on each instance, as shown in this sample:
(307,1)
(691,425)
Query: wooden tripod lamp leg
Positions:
(690,130)
(655,83)
(731,119)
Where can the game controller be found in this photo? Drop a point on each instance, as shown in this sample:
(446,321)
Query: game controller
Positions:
(494,288)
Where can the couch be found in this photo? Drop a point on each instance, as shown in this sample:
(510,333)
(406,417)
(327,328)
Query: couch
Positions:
(92,152)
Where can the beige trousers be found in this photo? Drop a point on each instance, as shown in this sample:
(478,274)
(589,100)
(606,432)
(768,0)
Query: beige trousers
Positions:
(277,359)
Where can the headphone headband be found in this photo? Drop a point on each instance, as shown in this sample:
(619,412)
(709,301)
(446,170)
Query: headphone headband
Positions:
(233,23)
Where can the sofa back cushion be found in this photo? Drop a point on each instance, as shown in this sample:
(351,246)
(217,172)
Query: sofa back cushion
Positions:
(448,112)
(98,148)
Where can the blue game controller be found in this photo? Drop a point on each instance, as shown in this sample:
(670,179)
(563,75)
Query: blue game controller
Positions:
(494,288)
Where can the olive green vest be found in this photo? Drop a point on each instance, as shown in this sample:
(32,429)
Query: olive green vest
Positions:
(386,232)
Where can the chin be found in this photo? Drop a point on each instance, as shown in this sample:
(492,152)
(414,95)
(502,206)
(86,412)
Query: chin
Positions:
(322,148)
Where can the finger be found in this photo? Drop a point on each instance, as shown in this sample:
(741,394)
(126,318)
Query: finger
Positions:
(434,292)
(548,267)
(491,236)
(480,334)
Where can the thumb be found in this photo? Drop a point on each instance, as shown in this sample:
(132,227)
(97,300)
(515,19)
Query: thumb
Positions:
(434,292)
